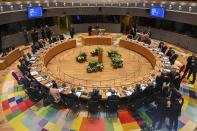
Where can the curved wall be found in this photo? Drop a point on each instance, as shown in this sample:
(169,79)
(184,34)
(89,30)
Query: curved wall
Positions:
(131,10)
(179,16)
(184,41)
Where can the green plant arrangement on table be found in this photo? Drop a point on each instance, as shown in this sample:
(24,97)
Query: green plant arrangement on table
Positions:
(94,66)
(95,52)
(116,58)
(81,57)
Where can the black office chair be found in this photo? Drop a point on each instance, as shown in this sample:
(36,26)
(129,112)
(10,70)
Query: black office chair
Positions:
(111,107)
(73,105)
(21,70)
(16,78)
(93,108)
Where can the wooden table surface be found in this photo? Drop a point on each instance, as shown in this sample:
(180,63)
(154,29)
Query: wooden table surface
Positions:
(48,54)
(92,40)
(10,58)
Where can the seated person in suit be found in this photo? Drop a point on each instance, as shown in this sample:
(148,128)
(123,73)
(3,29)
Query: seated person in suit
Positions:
(149,89)
(25,67)
(54,38)
(169,52)
(113,95)
(161,44)
(148,41)
(33,49)
(173,57)
(54,84)
(138,90)
(73,95)
(97,26)
(37,46)
(95,96)
(163,48)
(61,37)
(34,91)
(26,59)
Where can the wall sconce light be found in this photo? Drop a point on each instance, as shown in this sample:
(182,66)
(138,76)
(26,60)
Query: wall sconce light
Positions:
(170,7)
(1,9)
(190,9)
(39,4)
(21,6)
(56,4)
(64,4)
(180,7)
(144,4)
(135,3)
(152,4)
(11,7)
(161,5)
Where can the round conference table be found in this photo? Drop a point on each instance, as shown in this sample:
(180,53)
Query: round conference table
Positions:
(44,76)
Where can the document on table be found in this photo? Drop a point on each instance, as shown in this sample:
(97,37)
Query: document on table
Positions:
(34,73)
(48,84)
(39,79)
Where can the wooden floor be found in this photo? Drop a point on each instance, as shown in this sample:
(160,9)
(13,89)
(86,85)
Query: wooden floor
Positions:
(135,65)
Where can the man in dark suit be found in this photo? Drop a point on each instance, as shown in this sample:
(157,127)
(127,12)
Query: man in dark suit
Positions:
(177,104)
(189,65)
(169,52)
(33,35)
(173,57)
(43,33)
(48,32)
(164,48)
(73,95)
(72,31)
(89,30)
(193,69)
(113,95)
(95,96)
(24,67)
(25,33)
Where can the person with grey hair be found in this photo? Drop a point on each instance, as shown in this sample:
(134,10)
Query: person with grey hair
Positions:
(113,95)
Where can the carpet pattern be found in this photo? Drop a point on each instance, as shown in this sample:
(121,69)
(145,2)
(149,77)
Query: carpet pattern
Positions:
(26,115)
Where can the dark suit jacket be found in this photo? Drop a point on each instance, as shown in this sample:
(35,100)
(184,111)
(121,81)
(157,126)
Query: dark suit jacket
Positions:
(163,49)
(113,97)
(25,81)
(173,59)
(95,97)
(73,96)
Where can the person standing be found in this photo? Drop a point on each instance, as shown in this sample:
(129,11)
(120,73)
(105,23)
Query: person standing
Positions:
(89,30)
(43,33)
(72,31)
(33,36)
(188,66)
(36,35)
(48,33)
(193,69)
(25,33)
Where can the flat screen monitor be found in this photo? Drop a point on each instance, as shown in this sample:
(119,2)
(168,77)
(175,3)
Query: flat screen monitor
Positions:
(157,12)
(34,12)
